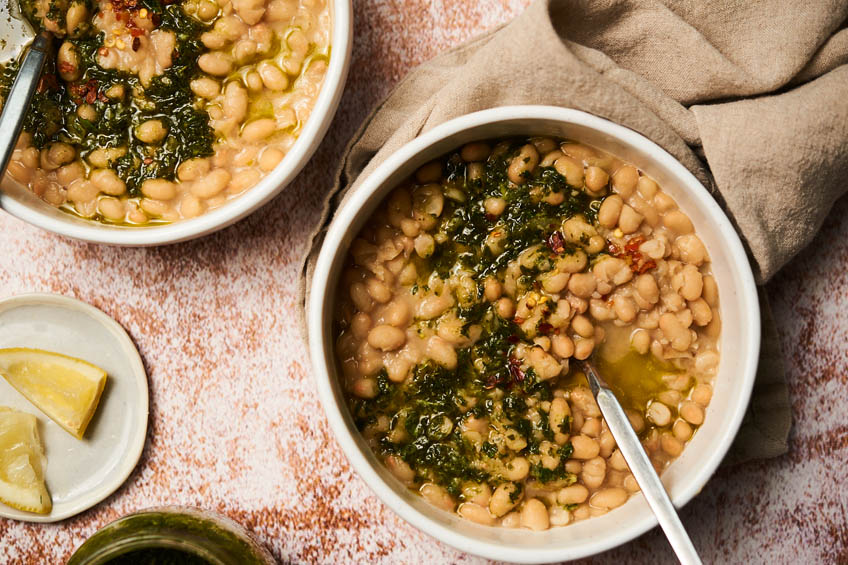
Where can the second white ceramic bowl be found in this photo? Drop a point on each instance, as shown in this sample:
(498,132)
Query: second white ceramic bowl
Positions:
(20,202)
(740,340)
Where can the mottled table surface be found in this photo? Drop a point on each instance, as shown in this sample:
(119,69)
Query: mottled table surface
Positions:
(235,422)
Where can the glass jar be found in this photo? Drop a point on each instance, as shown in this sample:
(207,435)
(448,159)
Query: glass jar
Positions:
(202,534)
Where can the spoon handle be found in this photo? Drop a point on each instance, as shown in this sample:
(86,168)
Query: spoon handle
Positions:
(642,469)
(17,103)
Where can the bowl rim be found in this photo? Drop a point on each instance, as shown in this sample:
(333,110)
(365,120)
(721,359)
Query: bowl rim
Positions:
(252,199)
(319,302)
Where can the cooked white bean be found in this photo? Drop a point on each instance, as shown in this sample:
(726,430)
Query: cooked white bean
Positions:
(258,130)
(429,173)
(111,208)
(596,179)
(386,338)
(476,513)
(477,151)
(151,131)
(504,499)
(235,102)
(441,352)
(211,184)
(562,346)
(584,447)
(675,331)
(534,515)
(574,494)
(272,76)
(108,182)
(692,250)
(582,284)
(659,414)
(205,87)
(609,498)
(193,169)
(437,496)
(594,472)
(682,430)
(571,169)
(68,62)
(624,180)
(270,158)
(160,189)
(629,220)
(523,164)
(692,412)
(610,210)
(400,469)
(215,63)
(677,221)
(517,469)
(583,348)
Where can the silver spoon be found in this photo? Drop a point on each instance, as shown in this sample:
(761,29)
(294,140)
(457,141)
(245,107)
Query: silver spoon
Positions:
(641,467)
(16,33)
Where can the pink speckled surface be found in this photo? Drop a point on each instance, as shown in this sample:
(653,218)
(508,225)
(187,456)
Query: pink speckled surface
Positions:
(235,421)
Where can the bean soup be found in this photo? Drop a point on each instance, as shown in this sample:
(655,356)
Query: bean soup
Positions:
(465,299)
(152,111)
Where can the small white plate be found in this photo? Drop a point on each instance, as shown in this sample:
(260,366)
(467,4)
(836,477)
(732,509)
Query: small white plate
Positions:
(80,473)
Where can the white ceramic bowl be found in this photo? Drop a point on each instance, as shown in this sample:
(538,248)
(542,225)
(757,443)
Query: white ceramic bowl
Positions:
(20,202)
(740,340)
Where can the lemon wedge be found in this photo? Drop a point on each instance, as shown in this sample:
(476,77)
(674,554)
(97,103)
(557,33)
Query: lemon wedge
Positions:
(66,389)
(22,463)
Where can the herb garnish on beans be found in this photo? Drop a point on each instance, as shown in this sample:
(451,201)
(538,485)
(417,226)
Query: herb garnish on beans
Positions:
(154,111)
(469,292)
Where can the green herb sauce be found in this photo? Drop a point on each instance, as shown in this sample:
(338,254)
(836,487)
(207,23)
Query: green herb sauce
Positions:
(158,556)
(431,405)
(53,113)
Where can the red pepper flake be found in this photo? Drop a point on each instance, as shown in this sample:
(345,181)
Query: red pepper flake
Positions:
(47,82)
(634,242)
(103,51)
(136,32)
(518,320)
(85,92)
(515,370)
(545,328)
(513,339)
(556,242)
(491,382)
(631,255)
(148,160)
(156,19)
(136,43)
(646,266)
(491,217)
(66,67)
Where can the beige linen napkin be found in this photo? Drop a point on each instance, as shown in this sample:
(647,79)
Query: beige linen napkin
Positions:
(757,89)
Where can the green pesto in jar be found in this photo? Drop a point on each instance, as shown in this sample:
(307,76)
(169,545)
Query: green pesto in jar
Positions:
(53,116)
(158,556)
(170,536)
